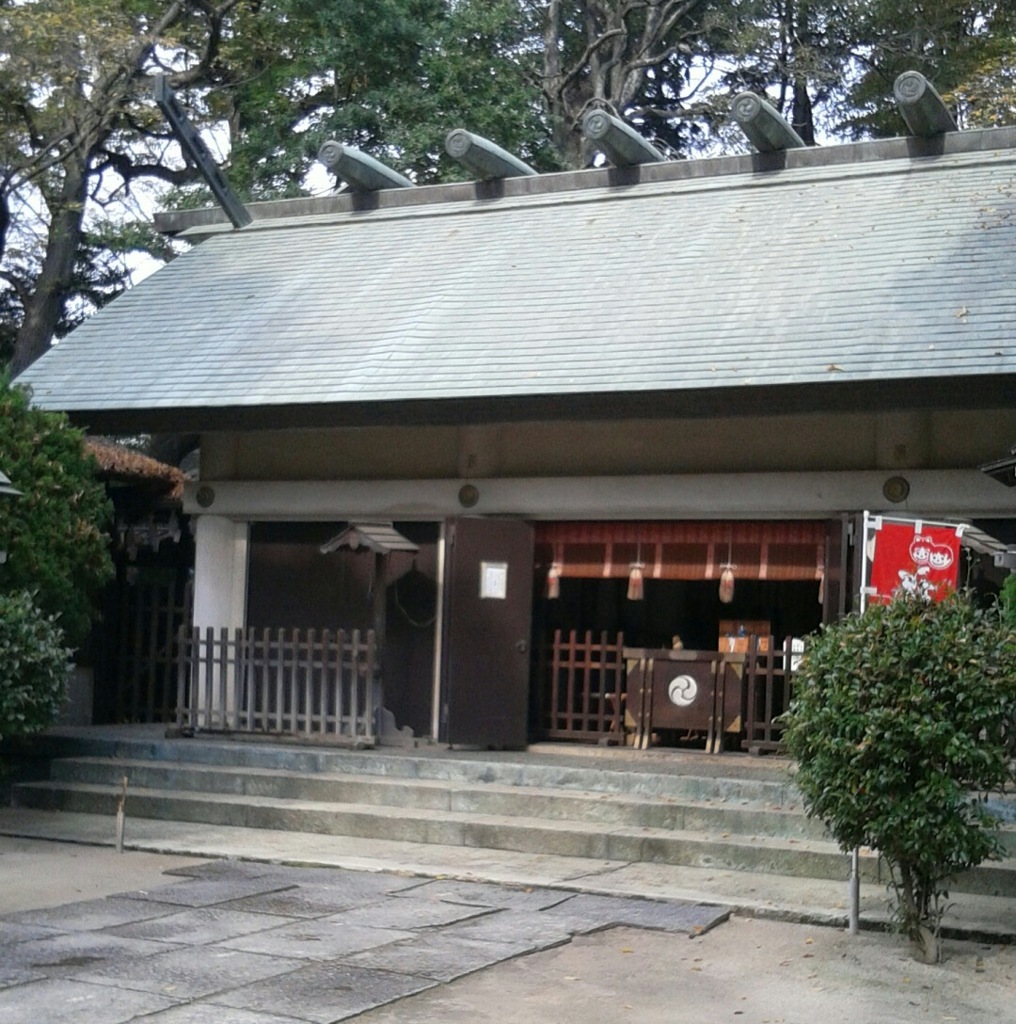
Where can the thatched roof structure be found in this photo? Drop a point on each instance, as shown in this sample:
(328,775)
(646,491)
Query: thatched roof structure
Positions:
(120,464)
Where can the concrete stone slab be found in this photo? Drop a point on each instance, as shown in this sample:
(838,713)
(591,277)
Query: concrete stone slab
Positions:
(201,926)
(74,952)
(92,915)
(309,902)
(68,1001)
(227,867)
(14,974)
(320,939)
(438,955)
(209,892)
(412,914)
(13,932)
(486,894)
(524,930)
(669,915)
(322,993)
(205,1013)
(352,885)
(193,973)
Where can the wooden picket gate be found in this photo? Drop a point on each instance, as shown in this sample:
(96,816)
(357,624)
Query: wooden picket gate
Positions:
(581,684)
(320,685)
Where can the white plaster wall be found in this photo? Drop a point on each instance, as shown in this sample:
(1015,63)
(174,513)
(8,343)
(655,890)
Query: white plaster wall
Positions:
(220,571)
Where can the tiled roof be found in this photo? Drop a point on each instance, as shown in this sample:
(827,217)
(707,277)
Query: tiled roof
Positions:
(843,270)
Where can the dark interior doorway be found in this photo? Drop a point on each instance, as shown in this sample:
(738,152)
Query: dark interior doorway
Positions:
(685,608)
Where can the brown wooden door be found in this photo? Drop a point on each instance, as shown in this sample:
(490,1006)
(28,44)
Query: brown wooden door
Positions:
(487,626)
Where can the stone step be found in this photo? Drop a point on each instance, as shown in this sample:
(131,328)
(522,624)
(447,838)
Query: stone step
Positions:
(627,773)
(490,798)
(723,851)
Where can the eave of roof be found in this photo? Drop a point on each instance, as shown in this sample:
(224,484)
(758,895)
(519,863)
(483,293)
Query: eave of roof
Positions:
(991,391)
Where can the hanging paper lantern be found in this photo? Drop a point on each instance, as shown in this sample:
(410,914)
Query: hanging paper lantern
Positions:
(554,581)
(636,584)
(727,585)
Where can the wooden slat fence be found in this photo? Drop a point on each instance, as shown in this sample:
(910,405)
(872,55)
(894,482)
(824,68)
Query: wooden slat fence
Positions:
(582,682)
(769,684)
(136,657)
(318,685)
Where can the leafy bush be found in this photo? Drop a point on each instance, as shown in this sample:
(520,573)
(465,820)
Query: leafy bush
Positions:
(34,664)
(1008,599)
(54,532)
(903,720)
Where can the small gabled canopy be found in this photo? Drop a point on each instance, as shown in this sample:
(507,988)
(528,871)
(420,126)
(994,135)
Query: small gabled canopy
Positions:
(381,538)
(977,540)
(6,487)
(1003,470)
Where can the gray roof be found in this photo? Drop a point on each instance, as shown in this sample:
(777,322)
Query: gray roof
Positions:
(6,487)
(847,266)
(381,538)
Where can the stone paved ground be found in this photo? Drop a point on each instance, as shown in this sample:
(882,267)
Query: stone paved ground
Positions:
(239,943)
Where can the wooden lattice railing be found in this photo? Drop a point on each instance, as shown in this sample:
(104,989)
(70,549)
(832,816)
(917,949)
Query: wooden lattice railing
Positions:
(581,688)
(769,684)
(313,684)
(581,684)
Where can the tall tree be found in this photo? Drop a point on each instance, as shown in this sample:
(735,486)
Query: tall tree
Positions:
(389,76)
(79,134)
(794,51)
(76,131)
(635,58)
(830,65)
(968,49)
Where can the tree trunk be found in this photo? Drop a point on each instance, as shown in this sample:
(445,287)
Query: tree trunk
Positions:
(802,115)
(46,304)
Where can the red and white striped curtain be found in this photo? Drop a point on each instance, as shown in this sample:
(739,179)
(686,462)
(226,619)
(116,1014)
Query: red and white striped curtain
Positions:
(685,550)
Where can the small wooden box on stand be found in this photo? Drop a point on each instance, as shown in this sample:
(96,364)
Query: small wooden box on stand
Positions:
(735,633)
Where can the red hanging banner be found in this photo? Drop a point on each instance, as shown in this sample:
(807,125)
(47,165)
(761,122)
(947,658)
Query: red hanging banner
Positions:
(915,559)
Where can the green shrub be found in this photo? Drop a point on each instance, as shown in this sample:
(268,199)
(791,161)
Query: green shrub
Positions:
(903,720)
(1008,599)
(34,665)
(54,532)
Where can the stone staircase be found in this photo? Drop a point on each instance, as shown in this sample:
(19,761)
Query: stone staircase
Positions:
(723,813)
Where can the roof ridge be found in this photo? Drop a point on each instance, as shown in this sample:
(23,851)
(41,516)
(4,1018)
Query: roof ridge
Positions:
(897,155)
(600,193)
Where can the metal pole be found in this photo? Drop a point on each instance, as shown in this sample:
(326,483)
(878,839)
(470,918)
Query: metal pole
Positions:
(855,892)
(855,875)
